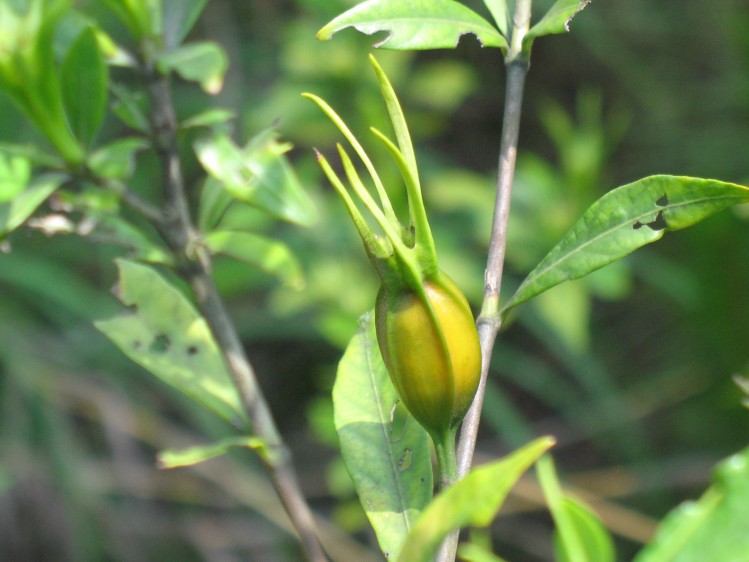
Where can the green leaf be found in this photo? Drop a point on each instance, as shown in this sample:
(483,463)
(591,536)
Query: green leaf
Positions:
(417,24)
(556,20)
(204,62)
(162,332)
(385,450)
(14,212)
(626,219)
(579,534)
(142,17)
(15,173)
(84,82)
(179,18)
(258,174)
(117,159)
(714,527)
(501,14)
(171,458)
(114,229)
(474,500)
(271,256)
(130,107)
(468,552)
(209,118)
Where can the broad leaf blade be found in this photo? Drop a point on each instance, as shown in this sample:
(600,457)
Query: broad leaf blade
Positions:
(271,256)
(84,81)
(385,450)
(258,174)
(163,333)
(172,458)
(417,24)
(713,527)
(556,20)
(474,500)
(14,212)
(204,62)
(626,219)
(179,16)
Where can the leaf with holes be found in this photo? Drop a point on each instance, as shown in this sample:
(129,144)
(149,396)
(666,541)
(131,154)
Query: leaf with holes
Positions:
(626,219)
(385,450)
(163,333)
(417,24)
(556,20)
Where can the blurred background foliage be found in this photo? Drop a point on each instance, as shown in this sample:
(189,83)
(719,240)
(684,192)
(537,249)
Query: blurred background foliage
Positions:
(630,368)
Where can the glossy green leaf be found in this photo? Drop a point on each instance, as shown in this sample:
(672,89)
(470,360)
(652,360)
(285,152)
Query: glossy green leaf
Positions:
(579,534)
(179,18)
(269,255)
(117,159)
(714,527)
(556,20)
(162,332)
(172,458)
(474,500)
(417,24)
(626,219)
(15,174)
(204,62)
(385,450)
(501,15)
(258,174)
(14,212)
(84,80)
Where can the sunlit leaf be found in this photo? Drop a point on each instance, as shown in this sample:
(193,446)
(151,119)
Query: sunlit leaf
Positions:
(172,458)
(626,219)
(162,332)
(468,552)
(14,212)
(714,527)
(474,500)
(209,118)
(269,255)
(417,24)
(15,173)
(556,20)
(385,450)
(258,174)
(204,62)
(84,80)
(501,14)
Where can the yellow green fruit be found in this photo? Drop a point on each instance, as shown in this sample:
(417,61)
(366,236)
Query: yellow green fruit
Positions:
(430,346)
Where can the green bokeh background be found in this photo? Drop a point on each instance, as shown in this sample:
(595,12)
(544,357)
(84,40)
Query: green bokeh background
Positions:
(630,368)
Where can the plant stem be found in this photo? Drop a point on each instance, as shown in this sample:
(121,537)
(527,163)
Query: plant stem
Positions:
(448,473)
(194,264)
(489,321)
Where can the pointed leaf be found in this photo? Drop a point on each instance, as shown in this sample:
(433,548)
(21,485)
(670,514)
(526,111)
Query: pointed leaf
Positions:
(417,24)
(714,527)
(385,450)
(579,535)
(14,212)
(258,174)
(501,14)
(271,256)
(84,81)
(179,17)
(116,230)
(474,500)
(163,333)
(626,219)
(204,62)
(172,458)
(556,20)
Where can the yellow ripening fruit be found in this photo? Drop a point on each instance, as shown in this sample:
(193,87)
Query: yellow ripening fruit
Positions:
(431,348)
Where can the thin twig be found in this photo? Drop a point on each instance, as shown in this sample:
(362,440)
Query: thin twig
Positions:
(194,264)
(489,321)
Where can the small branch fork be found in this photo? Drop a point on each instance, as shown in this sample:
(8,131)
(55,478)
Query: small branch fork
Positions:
(194,264)
(489,321)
